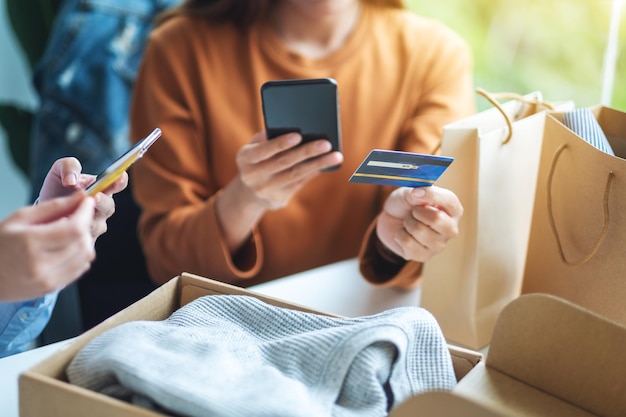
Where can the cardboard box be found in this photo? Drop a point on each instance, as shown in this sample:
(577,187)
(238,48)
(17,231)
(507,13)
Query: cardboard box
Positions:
(45,392)
(548,357)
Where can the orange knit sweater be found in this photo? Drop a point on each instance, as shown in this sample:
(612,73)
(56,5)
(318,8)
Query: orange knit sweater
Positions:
(401,78)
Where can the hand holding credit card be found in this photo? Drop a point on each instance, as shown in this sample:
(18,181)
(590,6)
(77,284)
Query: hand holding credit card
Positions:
(400,169)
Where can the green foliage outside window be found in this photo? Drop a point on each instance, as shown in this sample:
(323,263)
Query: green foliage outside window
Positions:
(554,46)
(31,22)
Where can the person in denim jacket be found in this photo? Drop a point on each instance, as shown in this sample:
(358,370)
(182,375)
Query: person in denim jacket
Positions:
(84,82)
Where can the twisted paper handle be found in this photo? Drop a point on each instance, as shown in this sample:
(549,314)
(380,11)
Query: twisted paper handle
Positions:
(605,227)
(494,97)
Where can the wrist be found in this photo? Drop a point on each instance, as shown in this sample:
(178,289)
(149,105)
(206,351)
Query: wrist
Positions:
(387,254)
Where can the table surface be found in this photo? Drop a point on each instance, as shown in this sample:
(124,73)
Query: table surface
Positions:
(337,288)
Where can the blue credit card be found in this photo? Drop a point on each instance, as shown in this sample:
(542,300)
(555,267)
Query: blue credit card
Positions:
(400,169)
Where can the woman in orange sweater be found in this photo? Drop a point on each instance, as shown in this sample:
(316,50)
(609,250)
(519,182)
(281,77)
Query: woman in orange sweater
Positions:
(220,200)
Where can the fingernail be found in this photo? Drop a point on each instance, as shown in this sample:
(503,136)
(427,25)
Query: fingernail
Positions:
(293,139)
(323,146)
(72,179)
(419,192)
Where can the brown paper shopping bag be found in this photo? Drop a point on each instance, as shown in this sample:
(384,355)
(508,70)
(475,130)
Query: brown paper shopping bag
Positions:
(577,245)
(494,174)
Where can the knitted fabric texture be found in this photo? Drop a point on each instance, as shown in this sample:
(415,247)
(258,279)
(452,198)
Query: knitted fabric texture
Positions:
(230,355)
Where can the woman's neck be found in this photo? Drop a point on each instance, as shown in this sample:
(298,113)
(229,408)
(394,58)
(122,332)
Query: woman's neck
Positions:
(315,32)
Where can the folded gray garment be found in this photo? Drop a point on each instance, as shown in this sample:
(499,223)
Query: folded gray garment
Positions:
(229,355)
(584,124)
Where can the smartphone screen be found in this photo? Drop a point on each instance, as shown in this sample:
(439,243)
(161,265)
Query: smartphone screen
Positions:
(306,106)
(121,164)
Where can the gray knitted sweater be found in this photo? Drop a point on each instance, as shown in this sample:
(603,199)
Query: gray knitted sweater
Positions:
(229,355)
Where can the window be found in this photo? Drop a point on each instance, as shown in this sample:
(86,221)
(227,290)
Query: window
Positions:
(568,49)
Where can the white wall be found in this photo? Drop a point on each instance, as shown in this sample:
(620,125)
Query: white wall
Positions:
(15,86)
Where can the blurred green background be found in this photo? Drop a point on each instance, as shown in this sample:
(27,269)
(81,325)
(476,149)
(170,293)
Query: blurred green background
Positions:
(555,46)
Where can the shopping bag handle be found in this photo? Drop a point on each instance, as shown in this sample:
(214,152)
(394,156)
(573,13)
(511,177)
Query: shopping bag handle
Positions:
(605,227)
(493,99)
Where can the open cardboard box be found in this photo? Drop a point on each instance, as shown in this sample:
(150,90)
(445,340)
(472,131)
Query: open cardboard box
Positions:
(45,392)
(547,357)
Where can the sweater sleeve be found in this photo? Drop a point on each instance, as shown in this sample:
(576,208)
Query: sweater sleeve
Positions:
(380,271)
(443,93)
(172,183)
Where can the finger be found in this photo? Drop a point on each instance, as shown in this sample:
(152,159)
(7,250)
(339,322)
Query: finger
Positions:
(105,206)
(398,204)
(71,230)
(257,152)
(309,167)
(430,227)
(435,219)
(441,198)
(306,152)
(86,219)
(429,237)
(56,269)
(83,215)
(412,246)
(259,137)
(59,265)
(85,180)
(52,210)
(69,171)
(61,179)
(74,267)
(118,185)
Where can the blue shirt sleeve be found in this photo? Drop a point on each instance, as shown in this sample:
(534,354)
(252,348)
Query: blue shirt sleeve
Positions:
(22,322)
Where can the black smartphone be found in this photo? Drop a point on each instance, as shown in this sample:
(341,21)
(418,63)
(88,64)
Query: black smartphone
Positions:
(307,106)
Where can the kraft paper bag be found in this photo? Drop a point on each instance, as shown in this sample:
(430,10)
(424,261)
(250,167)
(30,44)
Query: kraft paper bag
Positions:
(577,246)
(494,175)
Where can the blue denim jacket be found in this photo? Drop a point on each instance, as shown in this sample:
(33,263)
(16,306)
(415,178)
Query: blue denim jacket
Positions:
(21,322)
(84,81)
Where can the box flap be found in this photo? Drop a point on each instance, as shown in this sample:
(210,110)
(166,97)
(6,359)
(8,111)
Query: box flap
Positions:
(442,404)
(161,303)
(193,286)
(43,389)
(511,397)
(561,349)
(463,360)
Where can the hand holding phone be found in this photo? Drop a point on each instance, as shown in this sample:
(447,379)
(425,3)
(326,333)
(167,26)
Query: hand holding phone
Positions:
(306,106)
(121,164)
